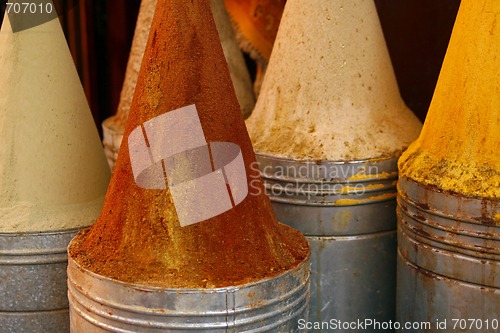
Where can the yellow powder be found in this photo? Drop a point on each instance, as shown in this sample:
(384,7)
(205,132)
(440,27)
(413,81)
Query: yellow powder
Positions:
(458,149)
(351,202)
(382,175)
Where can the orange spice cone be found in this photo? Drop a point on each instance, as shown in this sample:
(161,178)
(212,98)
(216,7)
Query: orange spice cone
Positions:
(113,127)
(449,185)
(256,24)
(169,220)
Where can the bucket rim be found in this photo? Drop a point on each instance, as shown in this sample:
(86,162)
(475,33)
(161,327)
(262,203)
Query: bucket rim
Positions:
(42,233)
(302,265)
(329,172)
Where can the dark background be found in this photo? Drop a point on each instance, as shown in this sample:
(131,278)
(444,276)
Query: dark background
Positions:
(100,32)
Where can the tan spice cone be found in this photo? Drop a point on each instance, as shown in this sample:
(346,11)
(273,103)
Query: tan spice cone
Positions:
(53,173)
(141,33)
(330,91)
(114,126)
(458,149)
(138,237)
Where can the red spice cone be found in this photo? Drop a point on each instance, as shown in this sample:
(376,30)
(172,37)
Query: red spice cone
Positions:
(139,238)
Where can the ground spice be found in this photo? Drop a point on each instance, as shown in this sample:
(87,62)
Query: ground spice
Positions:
(53,173)
(234,57)
(458,149)
(256,24)
(330,91)
(138,238)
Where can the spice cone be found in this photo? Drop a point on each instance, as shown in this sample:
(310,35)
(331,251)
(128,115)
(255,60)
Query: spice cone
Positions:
(458,149)
(330,91)
(237,66)
(53,173)
(113,127)
(185,101)
(141,33)
(256,24)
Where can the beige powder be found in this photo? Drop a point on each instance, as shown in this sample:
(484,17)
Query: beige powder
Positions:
(53,173)
(330,92)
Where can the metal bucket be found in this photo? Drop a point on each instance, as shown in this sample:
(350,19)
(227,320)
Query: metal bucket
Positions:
(100,304)
(347,211)
(33,279)
(112,139)
(448,260)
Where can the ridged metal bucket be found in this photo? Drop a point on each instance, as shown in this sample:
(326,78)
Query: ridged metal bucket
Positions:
(347,211)
(99,304)
(33,287)
(448,259)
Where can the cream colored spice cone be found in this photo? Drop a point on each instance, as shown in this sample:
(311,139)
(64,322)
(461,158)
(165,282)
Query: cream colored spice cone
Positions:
(459,148)
(113,127)
(330,91)
(53,173)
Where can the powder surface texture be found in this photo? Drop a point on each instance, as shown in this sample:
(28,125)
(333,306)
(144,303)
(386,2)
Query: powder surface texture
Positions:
(53,172)
(330,92)
(459,148)
(138,238)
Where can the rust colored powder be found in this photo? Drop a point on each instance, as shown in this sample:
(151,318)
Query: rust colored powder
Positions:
(138,238)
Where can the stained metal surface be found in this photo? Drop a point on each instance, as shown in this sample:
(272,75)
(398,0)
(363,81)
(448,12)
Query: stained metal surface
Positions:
(99,304)
(449,256)
(33,285)
(347,212)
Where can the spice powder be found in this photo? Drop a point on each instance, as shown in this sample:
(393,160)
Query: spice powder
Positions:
(137,238)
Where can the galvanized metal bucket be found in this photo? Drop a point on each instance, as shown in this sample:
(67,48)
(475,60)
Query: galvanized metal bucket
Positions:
(347,211)
(33,284)
(100,304)
(448,259)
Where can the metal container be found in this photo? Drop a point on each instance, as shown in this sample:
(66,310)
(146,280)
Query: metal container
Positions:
(100,304)
(347,211)
(33,279)
(448,259)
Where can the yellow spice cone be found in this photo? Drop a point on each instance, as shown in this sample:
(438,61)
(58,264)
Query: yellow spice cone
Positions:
(53,173)
(459,148)
(330,92)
